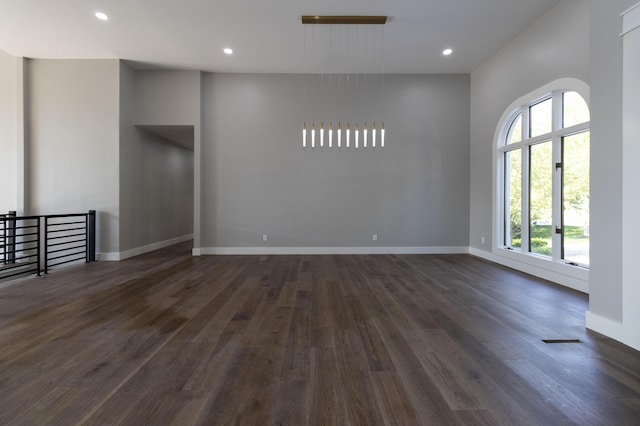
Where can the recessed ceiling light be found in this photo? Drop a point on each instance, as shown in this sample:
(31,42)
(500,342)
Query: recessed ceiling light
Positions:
(228,51)
(102,16)
(447,52)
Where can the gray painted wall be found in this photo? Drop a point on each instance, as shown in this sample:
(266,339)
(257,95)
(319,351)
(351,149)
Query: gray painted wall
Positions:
(257,178)
(72,137)
(606,153)
(156,175)
(167,97)
(555,46)
(8,133)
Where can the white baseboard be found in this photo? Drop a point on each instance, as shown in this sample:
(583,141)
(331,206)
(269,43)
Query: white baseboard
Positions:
(613,329)
(604,326)
(327,250)
(116,256)
(108,256)
(565,280)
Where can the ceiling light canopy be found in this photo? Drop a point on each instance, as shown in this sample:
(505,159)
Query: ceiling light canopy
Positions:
(228,50)
(102,16)
(346,20)
(447,51)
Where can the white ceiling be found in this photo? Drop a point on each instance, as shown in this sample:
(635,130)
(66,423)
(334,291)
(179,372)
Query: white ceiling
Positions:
(266,35)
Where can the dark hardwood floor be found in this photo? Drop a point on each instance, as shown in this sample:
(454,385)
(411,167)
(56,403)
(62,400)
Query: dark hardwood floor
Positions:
(167,338)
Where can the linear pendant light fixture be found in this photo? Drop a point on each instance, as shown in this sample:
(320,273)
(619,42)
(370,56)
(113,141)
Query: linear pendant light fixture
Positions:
(336,61)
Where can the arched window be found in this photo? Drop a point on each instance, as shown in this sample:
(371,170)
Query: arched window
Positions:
(543,175)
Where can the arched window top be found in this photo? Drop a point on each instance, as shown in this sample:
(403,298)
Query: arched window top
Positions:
(514,134)
(574,109)
(559,105)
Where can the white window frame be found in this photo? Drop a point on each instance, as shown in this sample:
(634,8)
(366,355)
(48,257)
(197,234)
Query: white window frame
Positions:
(554,268)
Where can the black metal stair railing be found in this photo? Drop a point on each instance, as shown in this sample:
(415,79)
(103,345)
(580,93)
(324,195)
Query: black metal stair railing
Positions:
(20,245)
(68,238)
(35,244)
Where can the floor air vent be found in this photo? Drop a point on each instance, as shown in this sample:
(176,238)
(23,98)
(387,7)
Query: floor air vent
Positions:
(561,341)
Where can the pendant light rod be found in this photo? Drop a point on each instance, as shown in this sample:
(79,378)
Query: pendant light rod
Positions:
(347,20)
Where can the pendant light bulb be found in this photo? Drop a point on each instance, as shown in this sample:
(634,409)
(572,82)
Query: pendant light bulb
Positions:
(304,135)
(382,135)
(364,135)
(339,135)
(330,135)
(313,135)
(348,135)
(321,134)
(357,131)
(373,135)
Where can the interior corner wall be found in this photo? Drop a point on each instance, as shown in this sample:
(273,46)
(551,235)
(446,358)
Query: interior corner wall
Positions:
(156,175)
(631,177)
(72,141)
(9,87)
(606,295)
(168,98)
(258,179)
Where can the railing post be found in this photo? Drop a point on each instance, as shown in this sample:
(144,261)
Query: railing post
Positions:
(4,240)
(91,236)
(10,238)
(39,239)
(45,251)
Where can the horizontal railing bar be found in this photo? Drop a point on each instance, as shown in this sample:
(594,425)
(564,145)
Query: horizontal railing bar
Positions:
(18,265)
(67,249)
(51,231)
(67,261)
(67,242)
(22,249)
(24,245)
(49,228)
(28,256)
(50,216)
(23,235)
(64,236)
(3,276)
(66,223)
(14,228)
(63,256)
(25,250)
(25,241)
(8,218)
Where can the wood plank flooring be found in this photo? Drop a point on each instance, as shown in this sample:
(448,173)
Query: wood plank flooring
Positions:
(166,338)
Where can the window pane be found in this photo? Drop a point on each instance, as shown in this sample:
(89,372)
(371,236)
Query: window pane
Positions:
(515,131)
(575,198)
(574,109)
(513,198)
(540,198)
(540,116)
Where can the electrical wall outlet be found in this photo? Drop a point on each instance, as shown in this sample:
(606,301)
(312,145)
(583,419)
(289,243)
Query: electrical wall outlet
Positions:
(375,237)
(265,237)
(482,240)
